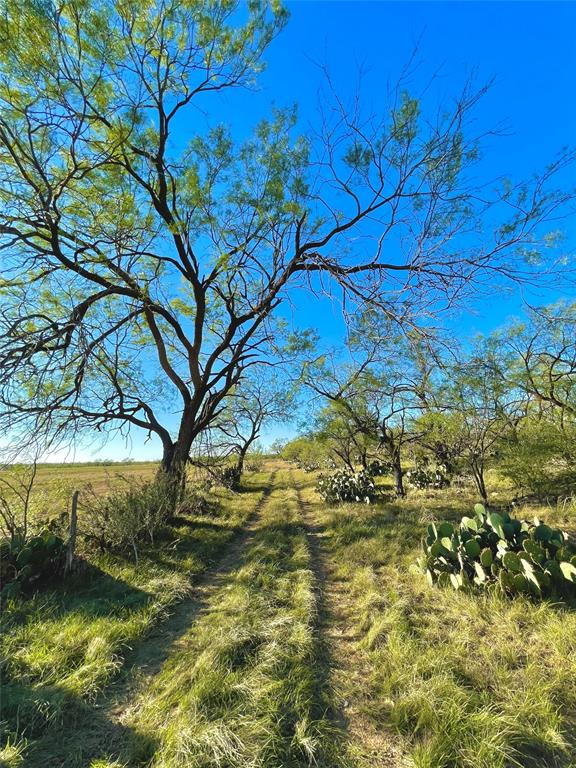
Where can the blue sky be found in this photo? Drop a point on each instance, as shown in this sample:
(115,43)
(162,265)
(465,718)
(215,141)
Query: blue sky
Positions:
(528,47)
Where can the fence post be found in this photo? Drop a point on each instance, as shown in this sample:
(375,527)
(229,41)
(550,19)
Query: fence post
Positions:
(72,532)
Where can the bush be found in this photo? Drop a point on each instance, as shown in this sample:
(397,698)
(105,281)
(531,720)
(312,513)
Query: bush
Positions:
(492,548)
(127,516)
(542,459)
(428,477)
(23,561)
(377,468)
(306,453)
(255,460)
(345,486)
(229,477)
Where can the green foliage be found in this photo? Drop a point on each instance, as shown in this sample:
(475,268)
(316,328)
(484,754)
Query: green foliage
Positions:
(542,457)
(494,548)
(307,453)
(346,486)
(25,560)
(128,515)
(255,460)
(424,476)
(378,468)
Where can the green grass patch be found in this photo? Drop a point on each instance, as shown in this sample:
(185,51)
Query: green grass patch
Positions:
(61,647)
(466,680)
(243,688)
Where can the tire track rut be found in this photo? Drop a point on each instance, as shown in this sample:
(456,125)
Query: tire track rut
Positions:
(364,744)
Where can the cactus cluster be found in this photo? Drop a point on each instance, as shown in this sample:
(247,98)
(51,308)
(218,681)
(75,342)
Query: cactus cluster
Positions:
(346,486)
(377,468)
(24,560)
(314,466)
(491,548)
(428,477)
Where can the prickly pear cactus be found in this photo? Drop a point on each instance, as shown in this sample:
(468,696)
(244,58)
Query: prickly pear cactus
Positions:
(492,549)
(345,486)
(24,561)
(428,477)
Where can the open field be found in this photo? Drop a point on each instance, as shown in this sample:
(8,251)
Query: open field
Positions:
(54,484)
(277,631)
(98,474)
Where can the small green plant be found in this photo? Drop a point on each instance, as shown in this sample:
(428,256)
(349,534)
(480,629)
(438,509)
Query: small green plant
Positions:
(346,486)
(128,515)
(24,560)
(492,548)
(428,477)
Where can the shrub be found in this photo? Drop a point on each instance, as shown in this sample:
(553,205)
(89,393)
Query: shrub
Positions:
(305,452)
(345,486)
(255,459)
(377,468)
(428,477)
(229,477)
(492,548)
(25,560)
(127,516)
(542,459)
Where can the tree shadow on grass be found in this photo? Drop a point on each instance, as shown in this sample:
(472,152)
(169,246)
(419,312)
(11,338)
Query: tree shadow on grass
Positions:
(60,729)
(254,488)
(534,752)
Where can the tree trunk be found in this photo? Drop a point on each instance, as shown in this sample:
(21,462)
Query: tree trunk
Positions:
(172,473)
(398,475)
(72,534)
(478,474)
(240,466)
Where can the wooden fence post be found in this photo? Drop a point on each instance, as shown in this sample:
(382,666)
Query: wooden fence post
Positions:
(72,532)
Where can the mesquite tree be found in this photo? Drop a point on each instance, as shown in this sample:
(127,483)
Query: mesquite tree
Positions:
(342,437)
(379,388)
(544,353)
(260,399)
(145,253)
(485,406)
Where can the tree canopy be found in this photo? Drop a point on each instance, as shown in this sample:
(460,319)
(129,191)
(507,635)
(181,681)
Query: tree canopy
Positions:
(145,255)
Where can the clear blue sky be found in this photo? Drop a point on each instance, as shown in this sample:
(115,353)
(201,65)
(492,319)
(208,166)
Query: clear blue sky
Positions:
(528,47)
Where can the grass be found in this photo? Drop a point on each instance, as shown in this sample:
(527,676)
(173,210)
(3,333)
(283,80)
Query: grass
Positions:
(462,680)
(61,647)
(243,688)
(54,484)
(263,655)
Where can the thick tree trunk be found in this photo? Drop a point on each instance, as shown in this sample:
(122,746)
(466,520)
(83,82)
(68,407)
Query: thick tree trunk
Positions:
(172,473)
(398,474)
